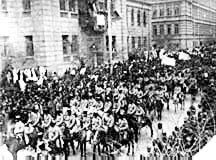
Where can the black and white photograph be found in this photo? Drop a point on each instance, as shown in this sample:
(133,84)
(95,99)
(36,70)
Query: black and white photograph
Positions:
(107,79)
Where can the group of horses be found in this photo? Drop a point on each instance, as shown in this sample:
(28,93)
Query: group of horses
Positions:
(105,142)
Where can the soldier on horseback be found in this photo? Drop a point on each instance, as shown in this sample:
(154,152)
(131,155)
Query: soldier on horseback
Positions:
(122,125)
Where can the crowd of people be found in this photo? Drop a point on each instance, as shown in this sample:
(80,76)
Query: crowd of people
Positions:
(105,109)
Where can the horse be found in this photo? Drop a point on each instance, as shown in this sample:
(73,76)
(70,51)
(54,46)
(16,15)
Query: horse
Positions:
(102,138)
(120,139)
(80,137)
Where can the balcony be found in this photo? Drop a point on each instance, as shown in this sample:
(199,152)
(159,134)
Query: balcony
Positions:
(93,16)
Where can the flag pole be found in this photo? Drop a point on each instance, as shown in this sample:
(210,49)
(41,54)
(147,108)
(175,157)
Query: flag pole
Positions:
(109,30)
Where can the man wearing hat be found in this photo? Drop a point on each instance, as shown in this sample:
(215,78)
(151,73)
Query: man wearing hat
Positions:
(121,126)
(108,121)
(96,125)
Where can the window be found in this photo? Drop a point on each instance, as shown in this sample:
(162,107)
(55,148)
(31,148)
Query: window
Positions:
(161,12)
(177,11)
(4,47)
(132,17)
(72,5)
(29,46)
(65,44)
(154,13)
(154,30)
(26,6)
(161,29)
(169,11)
(74,44)
(102,5)
(133,42)
(128,38)
(138,18)
(144,18)
(169,29)
(139,42)
(63,5)
(113,42)
(176,28)
(4,5)
(144,42)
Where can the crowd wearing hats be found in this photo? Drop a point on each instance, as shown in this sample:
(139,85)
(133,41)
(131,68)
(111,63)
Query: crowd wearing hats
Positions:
(199,125)
(106,109)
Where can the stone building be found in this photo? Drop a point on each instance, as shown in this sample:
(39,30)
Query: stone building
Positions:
(183,23)
(59,33)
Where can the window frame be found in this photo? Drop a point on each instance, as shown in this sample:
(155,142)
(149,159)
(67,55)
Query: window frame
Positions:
(161,28)
(4,6)
(74,8)
(154,13)
(155,30)
(169,29)
(133,42)
(26,6)
(74,43)
(29,43)
(65,45)
(139,42)
(144,18)
(160,12)
(169,11)
(177,10)
(139,18)
(132,17)
(176,29)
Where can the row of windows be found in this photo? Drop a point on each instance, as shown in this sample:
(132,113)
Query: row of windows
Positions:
(168,11)
(204,14)
(68,46)
(26,4)
(137,42)
(161,29)
(68,5)
(65,5)
(141,17)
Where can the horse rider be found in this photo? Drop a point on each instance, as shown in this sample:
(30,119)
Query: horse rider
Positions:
(121,125)
(47,119)
(19,129)
(139,113)
(55,135)
(69,119)
(59,118)
(108,122)
(96,125)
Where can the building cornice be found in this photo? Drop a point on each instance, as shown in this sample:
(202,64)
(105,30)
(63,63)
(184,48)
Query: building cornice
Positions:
(141,2)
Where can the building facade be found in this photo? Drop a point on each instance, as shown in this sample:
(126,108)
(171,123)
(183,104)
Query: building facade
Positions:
(59,33)
(183,23)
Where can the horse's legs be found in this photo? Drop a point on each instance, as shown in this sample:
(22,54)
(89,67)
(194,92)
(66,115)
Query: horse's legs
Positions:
(99,150)
(81,148)
(78,145)
(128,148)
(66,149)
(14,155)
(132,143)
(151,128)
(72,146)
(84,146)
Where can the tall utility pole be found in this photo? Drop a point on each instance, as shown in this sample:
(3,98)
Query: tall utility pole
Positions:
(109,30)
